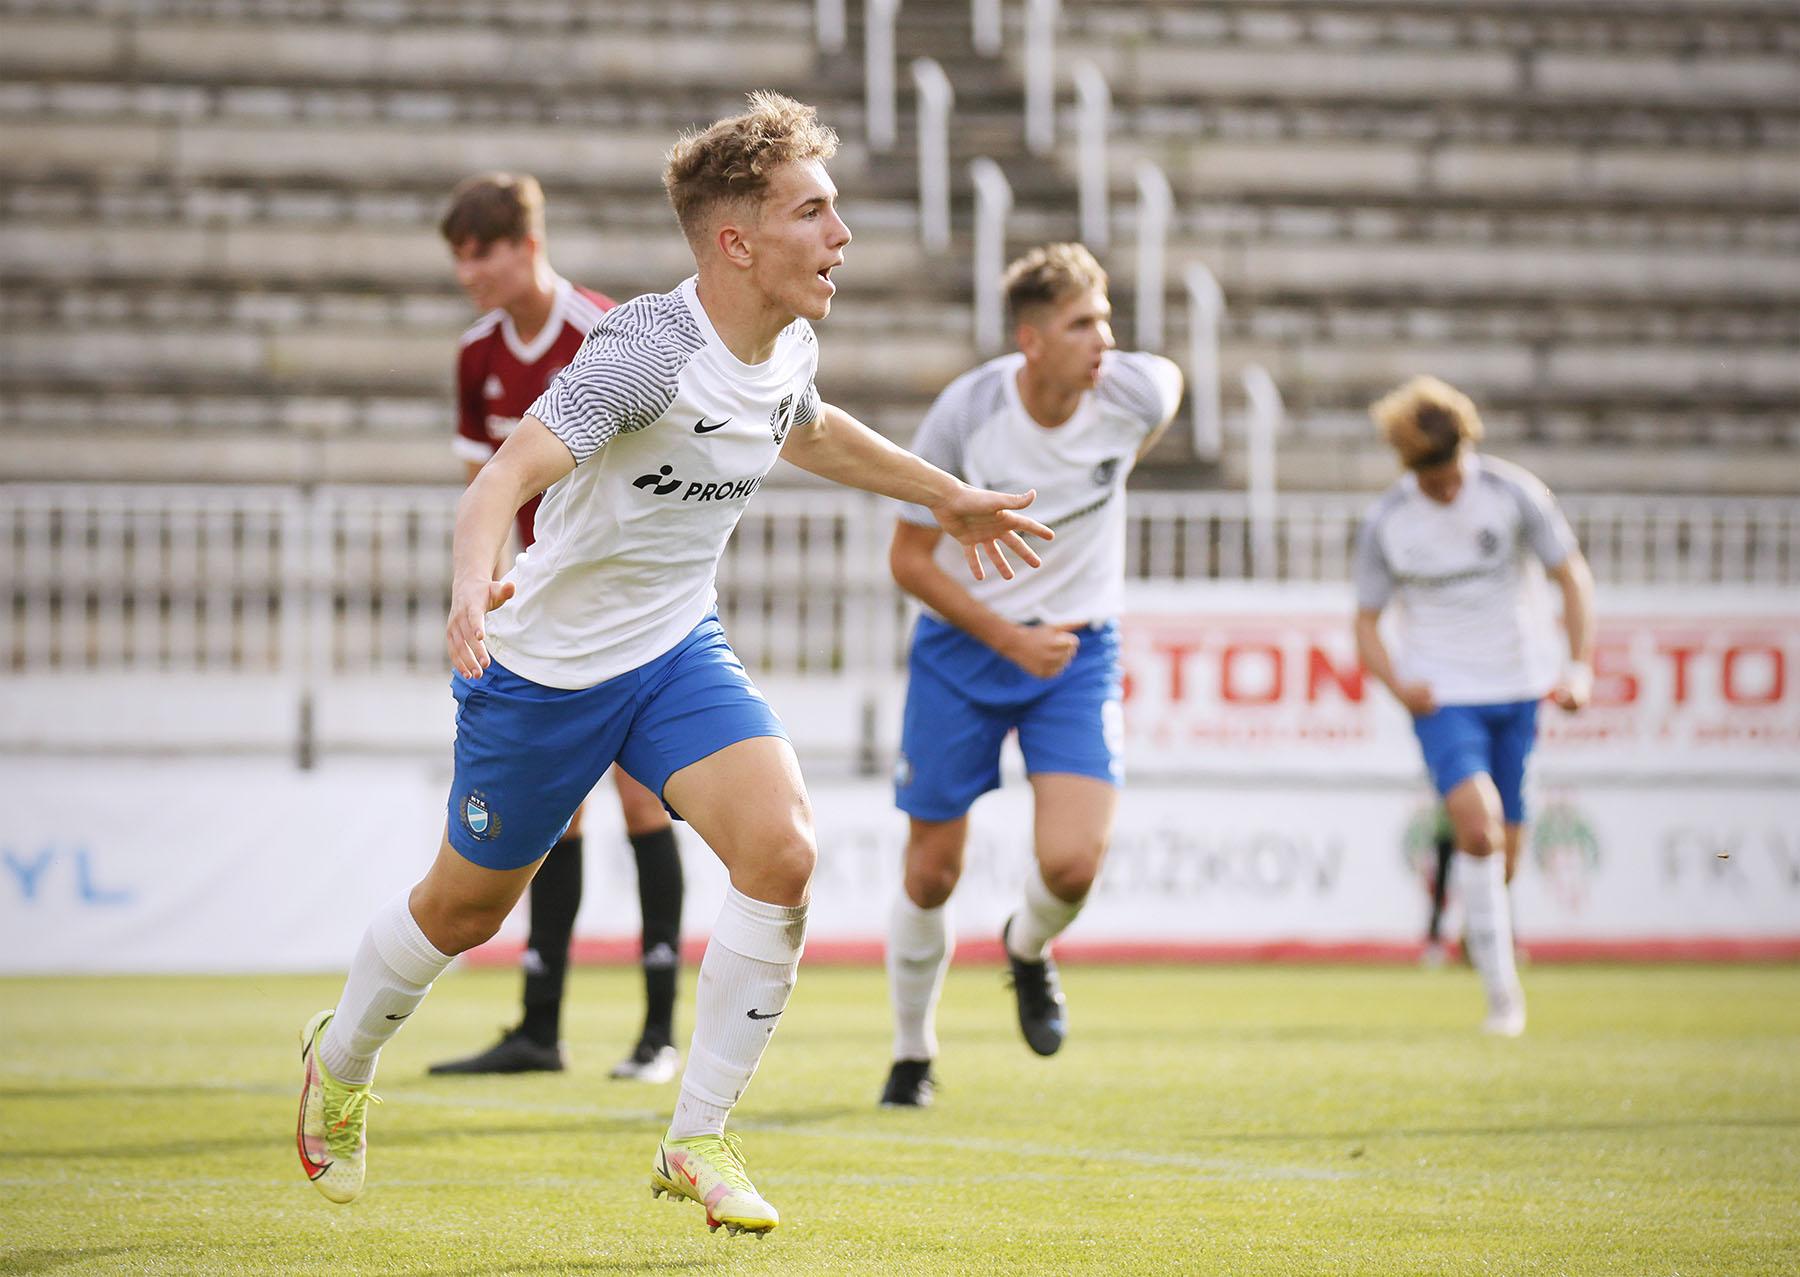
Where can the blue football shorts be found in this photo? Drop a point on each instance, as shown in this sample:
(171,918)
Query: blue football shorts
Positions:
(527,755)
(962,698)
(1461,740)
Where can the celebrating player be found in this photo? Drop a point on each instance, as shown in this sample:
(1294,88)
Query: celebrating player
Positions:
(535,320)
(1035,654)
(1453,541)
(603,644)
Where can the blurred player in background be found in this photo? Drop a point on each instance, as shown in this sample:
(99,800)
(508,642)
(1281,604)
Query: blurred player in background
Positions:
(1443,847)
(604,645)
(533,322)
(1452,542)
(1067,416)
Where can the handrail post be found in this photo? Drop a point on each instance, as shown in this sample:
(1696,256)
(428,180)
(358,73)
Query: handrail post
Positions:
(878,71)
(1093,106)
(993,203)
(935,98)
(984,27)
(828,25)
(1206,304)
(1155,205)
(1264,421)
(1040,75)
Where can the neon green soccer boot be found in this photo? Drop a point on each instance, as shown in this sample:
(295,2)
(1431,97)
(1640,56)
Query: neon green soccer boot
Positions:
(709,1169)
(332,1135)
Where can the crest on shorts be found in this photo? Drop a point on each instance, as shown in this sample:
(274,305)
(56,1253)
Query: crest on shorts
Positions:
(782,418)
(477,819)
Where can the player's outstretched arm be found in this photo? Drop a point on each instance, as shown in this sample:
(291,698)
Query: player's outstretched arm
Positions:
(1576,581)
(834,445)
(528,462)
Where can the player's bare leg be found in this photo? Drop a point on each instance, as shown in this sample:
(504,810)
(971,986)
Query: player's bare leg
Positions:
(1073,824)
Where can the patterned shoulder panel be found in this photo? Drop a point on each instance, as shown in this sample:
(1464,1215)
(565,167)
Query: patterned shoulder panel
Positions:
(624,376)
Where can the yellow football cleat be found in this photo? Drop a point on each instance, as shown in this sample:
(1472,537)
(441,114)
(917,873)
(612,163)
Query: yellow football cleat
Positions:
(332,1135)
(709,1169)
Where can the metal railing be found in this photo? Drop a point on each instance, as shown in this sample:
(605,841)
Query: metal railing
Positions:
(349,580)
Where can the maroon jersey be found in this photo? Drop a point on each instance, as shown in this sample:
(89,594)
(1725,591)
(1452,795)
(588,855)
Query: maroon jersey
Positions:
(499,377)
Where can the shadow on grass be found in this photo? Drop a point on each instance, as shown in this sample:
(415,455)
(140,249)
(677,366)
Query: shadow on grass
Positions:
(279,1137)
(46,1259)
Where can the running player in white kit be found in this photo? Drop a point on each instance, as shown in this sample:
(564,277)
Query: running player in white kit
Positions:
(1068,416)
(1457,542)
(602,643)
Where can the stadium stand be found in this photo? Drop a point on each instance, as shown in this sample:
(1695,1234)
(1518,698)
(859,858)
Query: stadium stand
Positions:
(219,261)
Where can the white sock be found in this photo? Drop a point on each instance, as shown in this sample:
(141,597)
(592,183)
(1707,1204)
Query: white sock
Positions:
(1488,928)
(918,953)
(1042,918)
(745,979)
(391,974)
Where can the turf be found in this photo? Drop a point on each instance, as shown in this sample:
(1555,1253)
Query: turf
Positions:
(1201,1120)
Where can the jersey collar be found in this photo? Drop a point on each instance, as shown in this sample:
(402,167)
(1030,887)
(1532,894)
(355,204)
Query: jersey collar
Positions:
(534,350)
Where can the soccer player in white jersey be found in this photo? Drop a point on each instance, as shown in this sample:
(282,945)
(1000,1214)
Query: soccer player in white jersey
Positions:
(534,321)
(1068,416)
(602,643)
(1457,542)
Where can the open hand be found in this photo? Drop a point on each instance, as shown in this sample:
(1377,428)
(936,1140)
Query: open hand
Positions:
(987,521)
(465,633)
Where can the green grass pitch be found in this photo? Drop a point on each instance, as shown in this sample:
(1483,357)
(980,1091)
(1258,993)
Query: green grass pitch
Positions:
(1232,1120)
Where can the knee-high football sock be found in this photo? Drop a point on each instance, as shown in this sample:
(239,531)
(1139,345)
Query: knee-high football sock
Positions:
(660,885)
(390,975)
(1043,918)
(918,954)
(555,900)
(1488,926)
(745,980)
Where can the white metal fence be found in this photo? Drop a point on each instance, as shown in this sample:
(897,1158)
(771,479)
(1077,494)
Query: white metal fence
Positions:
(354,580)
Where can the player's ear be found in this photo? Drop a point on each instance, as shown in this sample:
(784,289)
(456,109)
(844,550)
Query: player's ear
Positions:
(733,245)
(1029,339)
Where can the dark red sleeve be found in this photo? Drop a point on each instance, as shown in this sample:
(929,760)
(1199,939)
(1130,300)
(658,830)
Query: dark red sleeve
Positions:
(471,408)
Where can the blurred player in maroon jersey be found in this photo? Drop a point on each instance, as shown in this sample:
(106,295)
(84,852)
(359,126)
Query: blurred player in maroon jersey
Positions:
(533,322)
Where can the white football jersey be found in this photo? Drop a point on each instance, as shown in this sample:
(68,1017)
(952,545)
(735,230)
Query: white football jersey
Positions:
(1474,615)
(671,435)
(979,430)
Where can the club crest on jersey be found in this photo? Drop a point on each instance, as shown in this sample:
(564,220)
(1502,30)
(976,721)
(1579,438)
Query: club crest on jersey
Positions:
(477,819)
(1488,540)
(782,418)
(491,388)
(1104,472)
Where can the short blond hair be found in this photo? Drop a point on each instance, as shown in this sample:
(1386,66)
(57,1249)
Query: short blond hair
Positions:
(730,162)
(1048,275)
(1426,421)
(490,207)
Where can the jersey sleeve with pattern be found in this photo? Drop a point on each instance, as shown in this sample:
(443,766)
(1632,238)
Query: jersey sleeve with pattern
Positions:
(623,378)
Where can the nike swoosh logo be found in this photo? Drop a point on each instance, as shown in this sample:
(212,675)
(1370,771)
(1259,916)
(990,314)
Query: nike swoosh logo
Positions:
(399,1017)
(758,1015)
(705,427)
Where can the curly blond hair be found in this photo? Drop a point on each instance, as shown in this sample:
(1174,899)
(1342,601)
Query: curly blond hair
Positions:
(729,162)
(1426,421)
